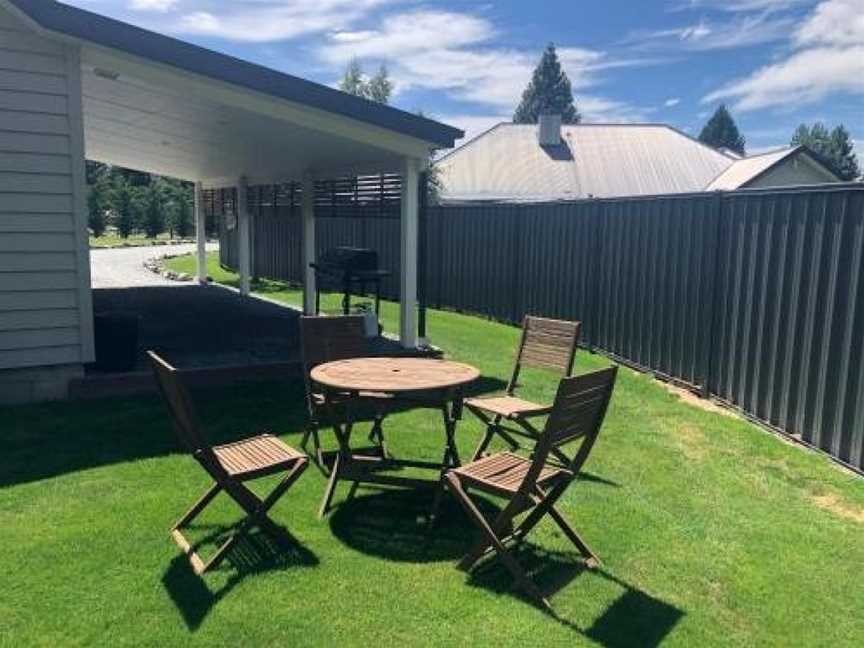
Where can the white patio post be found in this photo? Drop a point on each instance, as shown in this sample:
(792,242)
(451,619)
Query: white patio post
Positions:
(201,233)
(244,242)
(308,244)
(409,241)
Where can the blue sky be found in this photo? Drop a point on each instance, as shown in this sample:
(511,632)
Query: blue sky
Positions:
(776,63)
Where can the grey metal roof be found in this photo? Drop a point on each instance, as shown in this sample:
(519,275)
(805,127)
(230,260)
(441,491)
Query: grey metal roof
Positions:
(594,160)
(748,169)
(91,27)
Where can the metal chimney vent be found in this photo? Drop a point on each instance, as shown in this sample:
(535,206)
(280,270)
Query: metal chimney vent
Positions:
(549,130)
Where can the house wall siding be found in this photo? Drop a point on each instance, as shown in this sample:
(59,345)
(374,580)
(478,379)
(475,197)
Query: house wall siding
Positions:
(794,171)
(45,302)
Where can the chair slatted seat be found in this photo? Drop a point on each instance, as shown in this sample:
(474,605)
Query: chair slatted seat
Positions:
(533,485)
(545,344)
(261,455)
(508,407)
(229,465)
(506,471)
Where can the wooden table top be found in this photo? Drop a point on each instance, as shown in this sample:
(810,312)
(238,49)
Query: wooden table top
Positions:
(393,375)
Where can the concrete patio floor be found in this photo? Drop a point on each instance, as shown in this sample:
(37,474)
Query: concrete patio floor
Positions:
(211,332)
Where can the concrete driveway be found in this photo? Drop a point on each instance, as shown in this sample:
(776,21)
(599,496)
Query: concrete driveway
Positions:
(124,267)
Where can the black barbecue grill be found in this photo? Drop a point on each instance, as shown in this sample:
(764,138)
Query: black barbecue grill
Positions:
(350,270)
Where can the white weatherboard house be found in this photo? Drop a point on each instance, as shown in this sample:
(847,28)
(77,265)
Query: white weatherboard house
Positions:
(547,162)
(76,84)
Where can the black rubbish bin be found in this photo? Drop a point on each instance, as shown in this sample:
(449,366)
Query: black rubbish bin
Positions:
(116,337)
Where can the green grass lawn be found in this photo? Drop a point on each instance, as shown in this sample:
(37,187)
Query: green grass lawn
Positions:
(711,531)
(112,239)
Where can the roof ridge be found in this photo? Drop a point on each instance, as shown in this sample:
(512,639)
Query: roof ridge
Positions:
(781,149)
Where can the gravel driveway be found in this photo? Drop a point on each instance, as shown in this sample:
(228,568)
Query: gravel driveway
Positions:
(124,267)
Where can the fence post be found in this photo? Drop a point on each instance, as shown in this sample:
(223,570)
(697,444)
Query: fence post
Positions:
(516,263)
(711,254)
(597,230)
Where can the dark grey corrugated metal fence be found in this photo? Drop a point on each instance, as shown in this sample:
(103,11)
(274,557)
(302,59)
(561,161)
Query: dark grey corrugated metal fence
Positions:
(788,337)
(756,297)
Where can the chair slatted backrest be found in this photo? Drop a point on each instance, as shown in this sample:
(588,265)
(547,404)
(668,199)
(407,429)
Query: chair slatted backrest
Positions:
(578,413)
(547,344)
(328,339)
(180,405)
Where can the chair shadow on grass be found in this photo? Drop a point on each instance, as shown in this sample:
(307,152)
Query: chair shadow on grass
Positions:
(256,553)
(393,524)
(635,618)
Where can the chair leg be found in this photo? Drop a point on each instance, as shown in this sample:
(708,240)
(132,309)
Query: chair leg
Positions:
(293,475)
(575,538)
(199,506)
(352,492)
(492,539)
(256,513)
(484,442)
(546,505)
(311,432)
(502,526)
(331,486)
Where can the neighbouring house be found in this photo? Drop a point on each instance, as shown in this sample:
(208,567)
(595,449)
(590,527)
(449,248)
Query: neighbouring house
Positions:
(550,161)
(75,84)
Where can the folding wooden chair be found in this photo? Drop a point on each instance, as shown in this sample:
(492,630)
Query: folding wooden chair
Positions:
(229,465)
(545,344)
(534,485)
(328,339)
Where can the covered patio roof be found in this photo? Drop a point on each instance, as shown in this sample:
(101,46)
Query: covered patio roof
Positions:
(133,98)
(161,105)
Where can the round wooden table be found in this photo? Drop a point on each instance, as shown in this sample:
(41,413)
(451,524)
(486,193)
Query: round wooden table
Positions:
(419,382)
(393,375)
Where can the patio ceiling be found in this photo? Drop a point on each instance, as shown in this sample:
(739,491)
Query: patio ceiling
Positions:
(147,121)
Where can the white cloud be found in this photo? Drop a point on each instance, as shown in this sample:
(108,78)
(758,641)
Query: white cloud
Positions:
(734,6)
(610,111)
(828,57)
(409,33)
(835,22)
(672,101)
(739,31)
(153,5)
(805,77)
(264,21)
(450,52)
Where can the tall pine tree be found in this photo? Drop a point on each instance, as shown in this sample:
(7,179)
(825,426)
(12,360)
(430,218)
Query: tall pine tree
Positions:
(378,88)
(154,218)
(124,206)
(98,202)
(722,132)
(834,148)
(548,93)
(352,81)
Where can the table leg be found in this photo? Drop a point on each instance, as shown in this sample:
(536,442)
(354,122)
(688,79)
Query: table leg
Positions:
(346,298)
(343,457)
